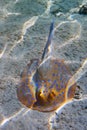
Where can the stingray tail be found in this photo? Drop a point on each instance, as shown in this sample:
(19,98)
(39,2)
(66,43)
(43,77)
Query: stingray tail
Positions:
(47,46)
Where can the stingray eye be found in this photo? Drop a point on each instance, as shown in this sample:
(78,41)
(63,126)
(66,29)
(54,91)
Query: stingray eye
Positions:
(51,96)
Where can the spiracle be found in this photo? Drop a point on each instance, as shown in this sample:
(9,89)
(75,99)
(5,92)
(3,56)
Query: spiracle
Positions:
(43,84)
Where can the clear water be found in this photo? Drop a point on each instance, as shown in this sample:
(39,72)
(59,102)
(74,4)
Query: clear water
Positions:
(24,28)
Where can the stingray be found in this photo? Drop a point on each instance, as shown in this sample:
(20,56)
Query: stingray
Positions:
(43,85)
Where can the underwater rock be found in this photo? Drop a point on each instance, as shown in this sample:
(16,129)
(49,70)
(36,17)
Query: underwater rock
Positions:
(83,9)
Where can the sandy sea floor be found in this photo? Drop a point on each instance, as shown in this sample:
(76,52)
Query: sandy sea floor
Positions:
(24,28)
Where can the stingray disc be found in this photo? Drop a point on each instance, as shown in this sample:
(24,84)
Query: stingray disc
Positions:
(44,87)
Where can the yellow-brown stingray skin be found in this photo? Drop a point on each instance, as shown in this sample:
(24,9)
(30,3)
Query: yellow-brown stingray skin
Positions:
(26,91)
(45,88)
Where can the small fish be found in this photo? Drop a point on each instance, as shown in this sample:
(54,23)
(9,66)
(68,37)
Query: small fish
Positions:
(43,84)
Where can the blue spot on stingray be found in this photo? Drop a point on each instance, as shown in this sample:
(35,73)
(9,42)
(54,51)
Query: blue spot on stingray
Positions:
(62,85)
(23,84)
(59,64)
(53,74)
(30,99)
(55,62)
(60,78)
(26,80)
(23,90)
(36,84)
(56,85)
(31,83)
(49,80)
(62,93)
(45,86)
(53,84)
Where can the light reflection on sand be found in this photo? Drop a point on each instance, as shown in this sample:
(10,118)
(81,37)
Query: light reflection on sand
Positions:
(7,6)
(2,53)
(13,117)
(74,37)
(79,73)
(47,11)
(16,1)
(26,26)
(57,112)
(6,13)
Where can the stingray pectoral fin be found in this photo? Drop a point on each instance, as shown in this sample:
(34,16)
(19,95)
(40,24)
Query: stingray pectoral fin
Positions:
(26,90)
(26,94)
(47,46)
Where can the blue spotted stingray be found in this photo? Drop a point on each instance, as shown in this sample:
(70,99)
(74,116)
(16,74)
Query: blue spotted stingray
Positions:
(43,84)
